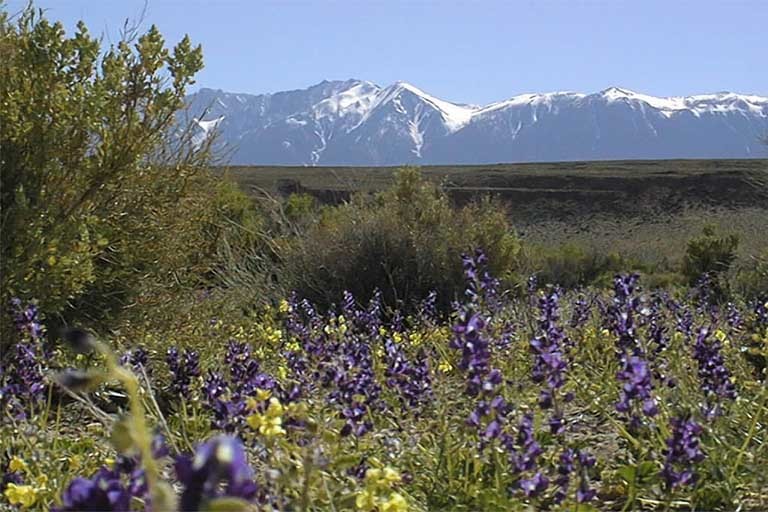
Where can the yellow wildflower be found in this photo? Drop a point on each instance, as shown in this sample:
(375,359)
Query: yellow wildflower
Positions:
(22,495)
(395,503)
(275,408)
(269,424)
(390,476)
(269,427)
(397,337)
(74,462)
(263,395)
(372,475)
(444,366)
(366,500)
(283,307)
(17,465)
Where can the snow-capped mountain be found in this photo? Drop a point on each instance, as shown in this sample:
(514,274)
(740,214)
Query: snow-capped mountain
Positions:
(355,122)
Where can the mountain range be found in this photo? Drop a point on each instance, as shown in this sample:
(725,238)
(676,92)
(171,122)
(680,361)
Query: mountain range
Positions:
(356,122)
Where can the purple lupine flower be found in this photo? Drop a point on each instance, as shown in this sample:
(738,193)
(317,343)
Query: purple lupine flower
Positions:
(532,284)
(22,380)
(137,359)
(684,321)
(481,286)
(184,367)
(428,309)
(624,286)
(682,453)
(228,408)
(564,469)
(528,449)
(713,375)
(482,381)
(567,464)
(733,316)
(760,309)
(22,374)
(535,485)
(26,319)
(637,389)
(410,378)
(621,315)
(475,354)
(657,333)
(219,468)
(582,308)
(104,491)
(549,365)
(242,367)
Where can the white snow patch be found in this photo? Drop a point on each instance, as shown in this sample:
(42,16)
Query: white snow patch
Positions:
(355,101)
(206,130)
(530,99)
(414,128)
(292,121)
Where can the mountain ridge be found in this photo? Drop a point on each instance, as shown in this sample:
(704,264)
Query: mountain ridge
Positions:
(357,122)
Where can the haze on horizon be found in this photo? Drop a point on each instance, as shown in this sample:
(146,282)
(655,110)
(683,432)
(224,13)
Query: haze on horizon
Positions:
(459,51)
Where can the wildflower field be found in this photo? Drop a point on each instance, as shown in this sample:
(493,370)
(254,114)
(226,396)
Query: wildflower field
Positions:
(169,343)
(621,400)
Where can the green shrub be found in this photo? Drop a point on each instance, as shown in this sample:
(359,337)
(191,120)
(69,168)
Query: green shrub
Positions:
(751,281)
(572,265)
(406,241)
(710,254)
(299,208)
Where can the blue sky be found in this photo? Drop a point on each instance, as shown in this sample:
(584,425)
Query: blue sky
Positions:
(476,52)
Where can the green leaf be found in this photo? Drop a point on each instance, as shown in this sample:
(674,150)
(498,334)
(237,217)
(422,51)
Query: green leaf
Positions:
(647,471)
(628,473)
(227,504)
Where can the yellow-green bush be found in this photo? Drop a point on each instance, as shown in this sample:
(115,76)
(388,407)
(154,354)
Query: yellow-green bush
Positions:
(100,193)
(710,253)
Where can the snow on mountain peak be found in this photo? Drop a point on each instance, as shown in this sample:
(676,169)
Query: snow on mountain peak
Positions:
(352,121)
(454,116)
(534,99)
(355,100)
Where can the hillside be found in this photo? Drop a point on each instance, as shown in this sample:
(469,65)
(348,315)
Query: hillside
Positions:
(651,207)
